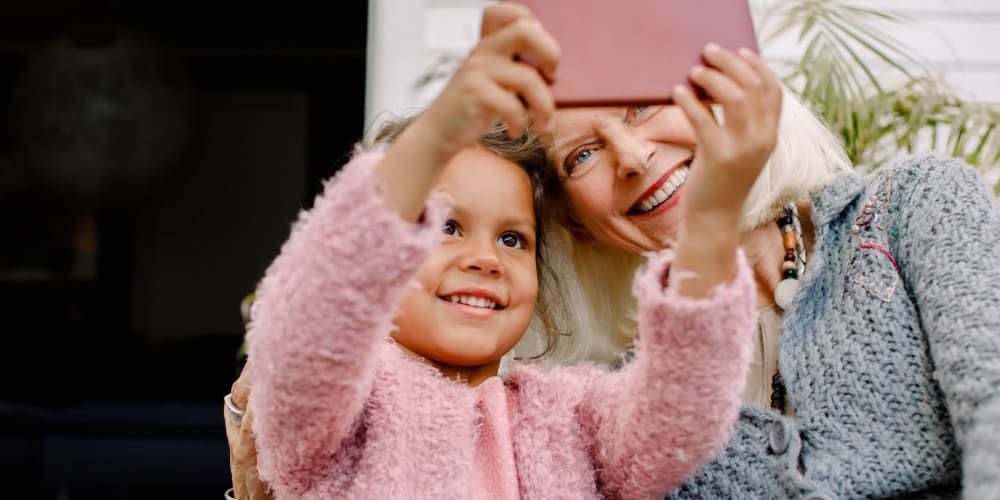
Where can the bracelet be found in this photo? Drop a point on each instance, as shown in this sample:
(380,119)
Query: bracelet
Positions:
(235,414)
(229,494)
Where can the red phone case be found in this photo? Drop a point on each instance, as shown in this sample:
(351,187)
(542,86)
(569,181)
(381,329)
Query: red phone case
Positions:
(635,51)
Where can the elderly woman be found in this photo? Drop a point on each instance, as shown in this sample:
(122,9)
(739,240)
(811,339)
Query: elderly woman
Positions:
(878,362)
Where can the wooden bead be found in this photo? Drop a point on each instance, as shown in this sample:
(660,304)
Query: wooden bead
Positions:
(790,241)
(786,265)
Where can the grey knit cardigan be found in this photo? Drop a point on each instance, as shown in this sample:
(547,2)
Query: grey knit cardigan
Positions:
(890,351)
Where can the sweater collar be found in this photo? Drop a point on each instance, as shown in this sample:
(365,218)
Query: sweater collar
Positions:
(831,201)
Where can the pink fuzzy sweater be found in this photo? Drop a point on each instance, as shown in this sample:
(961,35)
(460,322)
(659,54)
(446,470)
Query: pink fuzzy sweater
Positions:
(340,412)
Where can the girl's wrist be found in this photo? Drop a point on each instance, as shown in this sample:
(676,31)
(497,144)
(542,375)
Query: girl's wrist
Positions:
(420,138)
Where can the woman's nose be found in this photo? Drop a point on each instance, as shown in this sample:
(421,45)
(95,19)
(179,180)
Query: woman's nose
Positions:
(632,153)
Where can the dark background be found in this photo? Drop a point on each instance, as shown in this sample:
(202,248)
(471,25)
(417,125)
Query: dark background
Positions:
(119,314)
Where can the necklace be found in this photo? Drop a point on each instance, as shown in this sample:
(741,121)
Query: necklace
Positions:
(792,267)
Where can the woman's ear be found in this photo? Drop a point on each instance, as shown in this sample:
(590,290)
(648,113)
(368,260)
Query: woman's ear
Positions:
(580,233)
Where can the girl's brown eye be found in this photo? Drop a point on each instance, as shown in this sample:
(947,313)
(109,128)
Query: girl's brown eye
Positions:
(512,240)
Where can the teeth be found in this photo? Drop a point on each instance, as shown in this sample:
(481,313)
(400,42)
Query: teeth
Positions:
(472,301)
(661,195)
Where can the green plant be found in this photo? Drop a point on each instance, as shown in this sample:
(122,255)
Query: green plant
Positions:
(875,93)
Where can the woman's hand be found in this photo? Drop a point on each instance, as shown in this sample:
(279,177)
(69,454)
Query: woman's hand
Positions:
(247,485)
(730,152)
(730,155)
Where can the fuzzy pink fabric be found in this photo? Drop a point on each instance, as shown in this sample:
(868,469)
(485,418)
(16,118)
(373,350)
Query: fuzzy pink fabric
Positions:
(341,412)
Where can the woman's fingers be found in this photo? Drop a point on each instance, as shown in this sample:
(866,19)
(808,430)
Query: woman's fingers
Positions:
(719,87)
(706,129)
(242,446)
(769,84)
(241,387)
(732,65)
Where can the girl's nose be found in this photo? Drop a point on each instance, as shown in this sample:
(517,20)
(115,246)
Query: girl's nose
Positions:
(481,257)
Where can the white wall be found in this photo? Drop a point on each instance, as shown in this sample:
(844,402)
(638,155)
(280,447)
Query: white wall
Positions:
(958,37)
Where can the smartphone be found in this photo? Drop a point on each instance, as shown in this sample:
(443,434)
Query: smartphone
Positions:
(635,51)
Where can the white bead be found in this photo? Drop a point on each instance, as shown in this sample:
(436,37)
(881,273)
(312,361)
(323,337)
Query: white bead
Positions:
(785,292)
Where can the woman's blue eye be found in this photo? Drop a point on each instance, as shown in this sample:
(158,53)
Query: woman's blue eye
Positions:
(582,156)
(511,240)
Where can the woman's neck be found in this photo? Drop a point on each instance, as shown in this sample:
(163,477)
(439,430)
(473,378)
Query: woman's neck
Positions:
(471,375)
(765,252)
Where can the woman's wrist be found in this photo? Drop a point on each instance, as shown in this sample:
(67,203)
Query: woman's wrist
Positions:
(713,225)
(706,248)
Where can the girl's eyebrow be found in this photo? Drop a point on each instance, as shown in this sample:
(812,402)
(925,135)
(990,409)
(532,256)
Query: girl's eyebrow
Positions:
(519,222)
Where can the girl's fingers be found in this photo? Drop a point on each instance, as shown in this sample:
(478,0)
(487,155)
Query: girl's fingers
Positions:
(702,121)
(732,65)
(504,104)
(525,38)
(524,81)
(497,15)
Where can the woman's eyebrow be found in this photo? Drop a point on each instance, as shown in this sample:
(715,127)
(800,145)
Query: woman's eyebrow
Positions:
(559,146)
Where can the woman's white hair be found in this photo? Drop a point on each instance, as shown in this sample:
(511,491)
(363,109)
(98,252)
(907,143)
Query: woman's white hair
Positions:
(596,280)
(807,157)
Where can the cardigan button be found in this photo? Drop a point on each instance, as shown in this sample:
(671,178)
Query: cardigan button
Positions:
(780,436)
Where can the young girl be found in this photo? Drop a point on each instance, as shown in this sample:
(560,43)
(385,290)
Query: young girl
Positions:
(378,330)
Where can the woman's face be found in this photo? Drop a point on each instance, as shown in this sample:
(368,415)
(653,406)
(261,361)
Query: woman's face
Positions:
(623,171)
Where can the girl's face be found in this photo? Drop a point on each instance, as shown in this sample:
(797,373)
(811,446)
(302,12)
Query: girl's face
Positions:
(623,170)
(476,292)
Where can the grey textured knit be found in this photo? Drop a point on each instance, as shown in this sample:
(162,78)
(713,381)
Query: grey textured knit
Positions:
(890,351)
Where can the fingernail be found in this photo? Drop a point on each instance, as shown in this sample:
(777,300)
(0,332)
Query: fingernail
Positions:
(680,90)
(697,71)
(711,47)
(743,51)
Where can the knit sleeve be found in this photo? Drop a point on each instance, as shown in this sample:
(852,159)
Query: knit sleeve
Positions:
(323,307)
(949,252)
(669,410)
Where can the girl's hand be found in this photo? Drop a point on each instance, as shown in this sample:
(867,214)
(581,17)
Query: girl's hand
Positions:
(730,154)
(493,85)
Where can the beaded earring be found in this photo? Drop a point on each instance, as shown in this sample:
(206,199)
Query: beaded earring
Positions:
(795,256)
